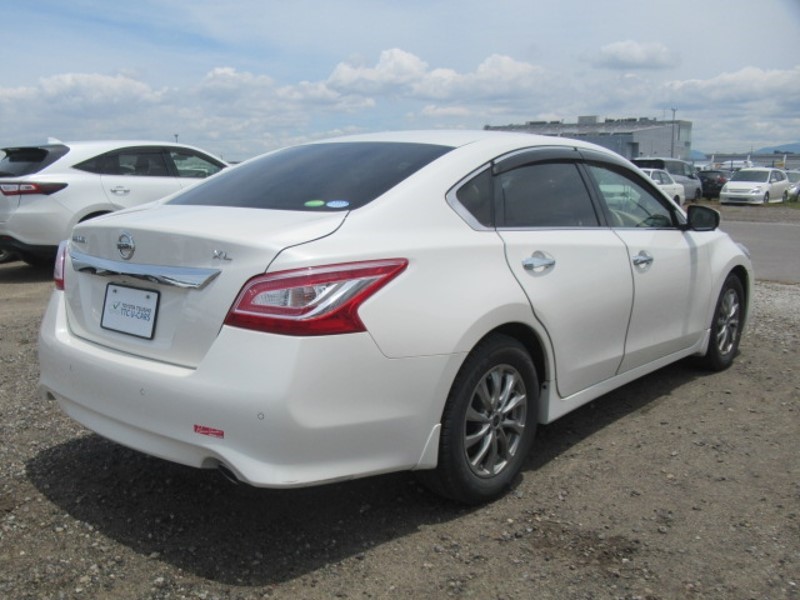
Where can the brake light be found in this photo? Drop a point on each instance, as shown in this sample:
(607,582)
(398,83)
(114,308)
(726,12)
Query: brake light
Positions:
(58,269)
(313,301)
(25,188)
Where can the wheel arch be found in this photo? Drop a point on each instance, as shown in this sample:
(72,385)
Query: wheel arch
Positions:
(535,343)
(92,215)
(86,214)
(526,336)
(744,276)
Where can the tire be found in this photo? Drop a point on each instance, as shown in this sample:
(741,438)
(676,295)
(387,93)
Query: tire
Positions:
(766,198)
(785,196)
(726,326)
(488,424)
(7,256)
(39,262)
(698,195)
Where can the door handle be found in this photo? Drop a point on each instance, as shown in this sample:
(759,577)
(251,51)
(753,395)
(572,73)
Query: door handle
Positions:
(643,259)
(538,262)
(120,190)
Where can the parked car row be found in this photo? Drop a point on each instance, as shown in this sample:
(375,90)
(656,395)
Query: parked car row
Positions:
(750,185)
(46,190)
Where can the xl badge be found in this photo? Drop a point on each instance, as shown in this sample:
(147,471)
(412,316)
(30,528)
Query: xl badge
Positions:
(126,246)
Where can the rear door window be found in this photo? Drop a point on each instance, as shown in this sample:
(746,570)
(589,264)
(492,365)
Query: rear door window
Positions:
(545,195)
(143,162)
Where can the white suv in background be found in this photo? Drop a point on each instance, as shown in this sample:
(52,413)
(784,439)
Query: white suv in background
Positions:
(45,190)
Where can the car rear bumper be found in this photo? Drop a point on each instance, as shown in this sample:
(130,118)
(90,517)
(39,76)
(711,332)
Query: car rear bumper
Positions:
(35,229)
(297,411)
(14,245)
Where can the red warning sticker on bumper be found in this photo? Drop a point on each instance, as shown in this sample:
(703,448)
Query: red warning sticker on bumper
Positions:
(210,431)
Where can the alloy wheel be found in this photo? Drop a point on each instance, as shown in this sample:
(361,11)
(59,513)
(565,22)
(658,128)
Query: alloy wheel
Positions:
(495,421)
(728,321)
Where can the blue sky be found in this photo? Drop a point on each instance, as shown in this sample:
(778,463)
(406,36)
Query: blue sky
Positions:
(242,77)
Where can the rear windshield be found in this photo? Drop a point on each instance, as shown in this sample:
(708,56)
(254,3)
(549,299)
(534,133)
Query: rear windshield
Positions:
(24,161)
(323,177)
(754,176)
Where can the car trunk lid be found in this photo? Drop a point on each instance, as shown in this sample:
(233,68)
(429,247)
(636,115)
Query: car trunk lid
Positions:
(158,283)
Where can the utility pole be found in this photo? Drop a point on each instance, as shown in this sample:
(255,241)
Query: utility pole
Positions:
(672,145)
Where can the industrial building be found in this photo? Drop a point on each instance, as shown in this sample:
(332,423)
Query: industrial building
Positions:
(630,137)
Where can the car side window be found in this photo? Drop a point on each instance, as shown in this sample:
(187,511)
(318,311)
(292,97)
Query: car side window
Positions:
(144,164)
(630,204)
(550,194)
(149,163)
(192,164)
(476,197)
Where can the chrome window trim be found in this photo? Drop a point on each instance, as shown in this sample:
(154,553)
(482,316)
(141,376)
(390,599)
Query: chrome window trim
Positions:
(181,277)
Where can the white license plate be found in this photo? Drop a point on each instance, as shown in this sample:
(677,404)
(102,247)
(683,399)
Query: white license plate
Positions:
(130,310)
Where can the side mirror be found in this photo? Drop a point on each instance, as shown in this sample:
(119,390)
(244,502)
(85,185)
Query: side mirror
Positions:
(702,218)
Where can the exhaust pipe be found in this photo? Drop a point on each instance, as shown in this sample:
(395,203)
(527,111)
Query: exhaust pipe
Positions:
(228,474)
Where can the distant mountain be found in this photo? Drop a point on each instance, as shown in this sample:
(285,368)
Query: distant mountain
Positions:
(697,155)
(794,148)
(782,149)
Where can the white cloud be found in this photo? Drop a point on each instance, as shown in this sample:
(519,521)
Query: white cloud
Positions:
(239,113)
(394,70)
(434,111)
(742,87)
(635,55)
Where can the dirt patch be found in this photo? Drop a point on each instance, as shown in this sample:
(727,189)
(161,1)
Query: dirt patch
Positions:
(683,484)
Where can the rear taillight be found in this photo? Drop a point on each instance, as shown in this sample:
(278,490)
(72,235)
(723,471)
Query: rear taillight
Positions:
(24,188)
(313,301)
(58,269)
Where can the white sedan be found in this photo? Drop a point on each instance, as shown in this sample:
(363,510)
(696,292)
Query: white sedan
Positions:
(414,300)
(664,180)
(757,185)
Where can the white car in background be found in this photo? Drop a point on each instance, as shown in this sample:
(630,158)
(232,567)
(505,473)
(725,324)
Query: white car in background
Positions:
(757,185)
(360,305)
(45,190)
(665,181)
(794,185)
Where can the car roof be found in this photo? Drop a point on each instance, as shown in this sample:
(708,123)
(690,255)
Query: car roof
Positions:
(81,150)
(495,142)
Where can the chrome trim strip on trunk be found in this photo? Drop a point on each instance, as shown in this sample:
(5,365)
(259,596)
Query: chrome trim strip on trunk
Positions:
(182,277)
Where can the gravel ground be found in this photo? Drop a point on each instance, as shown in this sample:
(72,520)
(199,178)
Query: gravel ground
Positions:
(680,485)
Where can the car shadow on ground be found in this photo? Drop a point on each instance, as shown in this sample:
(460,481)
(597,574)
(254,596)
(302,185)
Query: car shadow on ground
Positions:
(240,535)
(20,272)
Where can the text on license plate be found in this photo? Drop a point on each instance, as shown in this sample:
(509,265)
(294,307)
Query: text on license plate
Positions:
(130,310)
